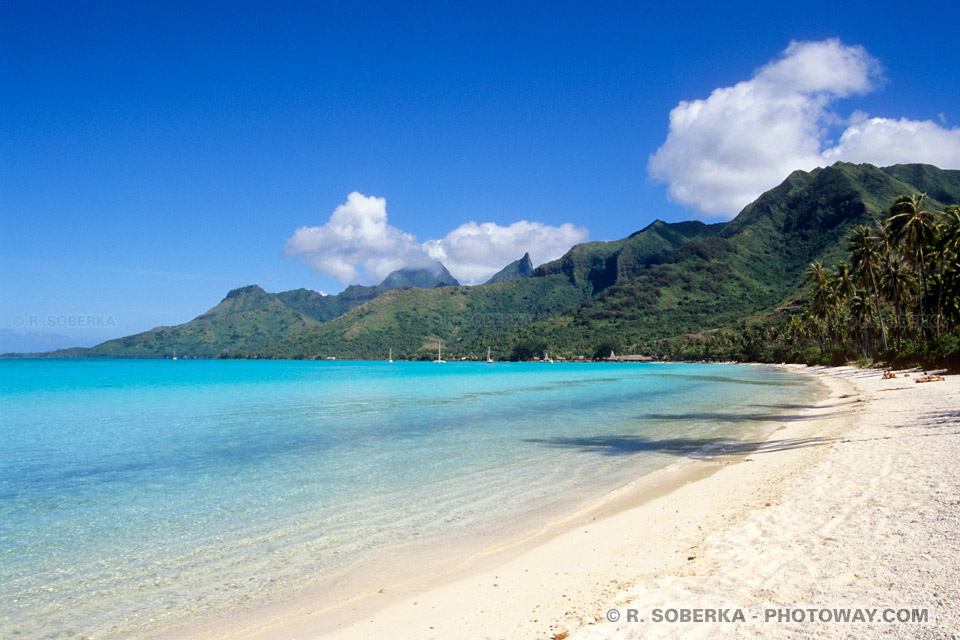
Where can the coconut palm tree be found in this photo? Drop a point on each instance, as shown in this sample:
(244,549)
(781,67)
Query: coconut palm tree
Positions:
(796,329)
(821,298)
(859,304)
(948,256)
(843,284)
(898,282)
(866,257)
(891,264)
(912,226)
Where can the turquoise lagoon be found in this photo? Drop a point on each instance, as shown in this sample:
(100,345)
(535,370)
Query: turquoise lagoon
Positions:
(136,494)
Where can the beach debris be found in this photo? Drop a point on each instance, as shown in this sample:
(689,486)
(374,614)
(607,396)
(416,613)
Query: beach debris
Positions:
(560,635)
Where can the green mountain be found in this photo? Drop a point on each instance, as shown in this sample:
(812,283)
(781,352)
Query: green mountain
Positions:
(246,318)
(753,265)
(250,318)
(522,268)
(468,319)
(665,280)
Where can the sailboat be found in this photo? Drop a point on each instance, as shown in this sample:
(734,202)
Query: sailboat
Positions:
(174,354)
(390,357)
(439,350)
(489,359)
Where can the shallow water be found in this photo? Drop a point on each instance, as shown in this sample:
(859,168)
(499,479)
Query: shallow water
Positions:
(136,493)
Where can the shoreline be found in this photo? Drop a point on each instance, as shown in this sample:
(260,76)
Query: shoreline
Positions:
(542,583)
(818,513)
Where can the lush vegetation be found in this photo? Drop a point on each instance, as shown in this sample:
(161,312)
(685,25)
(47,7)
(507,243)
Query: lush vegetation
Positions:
(500,316)
(895,300)
(898,296)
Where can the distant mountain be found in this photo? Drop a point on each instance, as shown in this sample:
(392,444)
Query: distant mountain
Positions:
(246,318)
(410,322)
(249,318)
(424,278)
(665,280)
(751,266)
(522,268)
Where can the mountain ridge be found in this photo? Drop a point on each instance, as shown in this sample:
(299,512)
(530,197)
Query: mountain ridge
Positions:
(665,279)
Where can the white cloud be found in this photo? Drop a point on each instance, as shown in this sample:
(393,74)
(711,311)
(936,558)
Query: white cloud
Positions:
(724,151)
(358,245)
(474,252)
(883,141)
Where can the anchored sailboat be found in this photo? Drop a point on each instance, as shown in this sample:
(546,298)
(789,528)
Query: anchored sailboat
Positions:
(489,359)
(390,357)
(439,351)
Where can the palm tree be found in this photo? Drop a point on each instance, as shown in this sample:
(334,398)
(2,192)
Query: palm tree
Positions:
(820,298)
(865,255)
(797,331)
(898,282)
(947,253)
(843,285)
(842,288)
(912,225)
(949,232)
(947,256)
(891,264)
(860,310)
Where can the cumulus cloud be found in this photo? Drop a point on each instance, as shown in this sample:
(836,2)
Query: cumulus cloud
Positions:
(358,245)
(883,141)
(724,151)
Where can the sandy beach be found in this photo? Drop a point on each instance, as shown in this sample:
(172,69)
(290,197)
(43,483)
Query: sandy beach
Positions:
(850,504)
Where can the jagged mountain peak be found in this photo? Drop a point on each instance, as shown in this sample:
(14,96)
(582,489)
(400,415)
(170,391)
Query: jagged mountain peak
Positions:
(522,268)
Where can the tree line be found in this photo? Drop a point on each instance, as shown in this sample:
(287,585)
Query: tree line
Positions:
(899,290)
(895,300)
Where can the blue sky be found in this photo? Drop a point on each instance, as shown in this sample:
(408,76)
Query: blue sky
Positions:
(154,155)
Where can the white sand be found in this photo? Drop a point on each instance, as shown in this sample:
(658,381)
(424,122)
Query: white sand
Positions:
(855,503)
(874,523)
